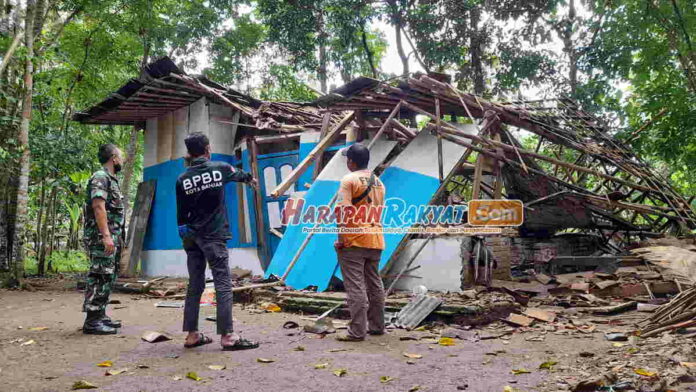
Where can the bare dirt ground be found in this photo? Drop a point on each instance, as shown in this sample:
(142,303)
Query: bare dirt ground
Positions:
(61,355)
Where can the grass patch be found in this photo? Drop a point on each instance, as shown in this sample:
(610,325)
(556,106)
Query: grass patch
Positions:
(61,261)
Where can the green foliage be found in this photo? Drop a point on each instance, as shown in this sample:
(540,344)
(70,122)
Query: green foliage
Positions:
(639,67)
(233,51)
(62,261)
(281,84)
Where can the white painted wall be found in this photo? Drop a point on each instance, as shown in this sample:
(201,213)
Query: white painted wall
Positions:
(165,137)
(310,137)
(173,262)
(198,117)
(221,133)
(181,119)
(150,150)
(421,154)
(440,265)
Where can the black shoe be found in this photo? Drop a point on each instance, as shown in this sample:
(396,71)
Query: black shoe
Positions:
(94,326)
(108,321)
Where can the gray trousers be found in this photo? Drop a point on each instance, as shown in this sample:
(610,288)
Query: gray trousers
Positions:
(360,269)
(215,252)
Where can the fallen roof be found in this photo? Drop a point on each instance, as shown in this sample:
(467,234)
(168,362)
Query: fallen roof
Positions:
(579,158)
(163,88)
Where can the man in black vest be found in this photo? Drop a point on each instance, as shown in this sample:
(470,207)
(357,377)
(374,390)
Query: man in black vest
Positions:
(204,230)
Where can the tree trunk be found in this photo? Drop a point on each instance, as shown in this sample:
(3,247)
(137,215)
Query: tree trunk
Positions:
(368,52)
(39,217)
(54,225)
(23,145)
(128,168)
(322,71)
(400,49)
(569,48)
(476,50)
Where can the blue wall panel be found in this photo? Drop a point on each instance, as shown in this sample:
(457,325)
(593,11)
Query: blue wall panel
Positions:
(162,230)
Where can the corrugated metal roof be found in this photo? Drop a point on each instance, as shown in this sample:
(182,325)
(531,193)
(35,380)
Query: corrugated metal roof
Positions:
(416,311)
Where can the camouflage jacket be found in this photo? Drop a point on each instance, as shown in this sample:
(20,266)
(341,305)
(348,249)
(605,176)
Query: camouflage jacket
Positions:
(105,186)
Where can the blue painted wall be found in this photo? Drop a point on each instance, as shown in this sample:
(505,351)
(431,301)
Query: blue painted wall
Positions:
(162,231)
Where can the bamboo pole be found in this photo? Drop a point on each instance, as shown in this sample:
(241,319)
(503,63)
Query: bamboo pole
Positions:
(313,155)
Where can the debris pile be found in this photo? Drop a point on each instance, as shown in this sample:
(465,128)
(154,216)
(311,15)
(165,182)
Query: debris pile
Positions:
(680,312)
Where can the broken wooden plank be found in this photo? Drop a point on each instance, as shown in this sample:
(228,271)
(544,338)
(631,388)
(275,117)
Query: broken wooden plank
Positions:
(614,309)
(138,226)
(313,155)
(519,320)
(540,314)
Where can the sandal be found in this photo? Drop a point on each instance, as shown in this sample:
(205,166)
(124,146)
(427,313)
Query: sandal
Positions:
(348,338)
(202,340)
(241,344)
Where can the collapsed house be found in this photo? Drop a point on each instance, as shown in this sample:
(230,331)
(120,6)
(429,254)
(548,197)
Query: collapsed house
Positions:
(264,138)
(585,194)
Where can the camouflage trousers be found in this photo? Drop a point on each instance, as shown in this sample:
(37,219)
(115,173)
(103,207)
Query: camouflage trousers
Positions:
(103,271)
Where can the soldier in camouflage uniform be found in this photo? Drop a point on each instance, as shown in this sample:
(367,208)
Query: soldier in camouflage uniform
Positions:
(103,229)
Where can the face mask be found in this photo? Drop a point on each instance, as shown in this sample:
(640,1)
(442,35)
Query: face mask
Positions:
(117,167)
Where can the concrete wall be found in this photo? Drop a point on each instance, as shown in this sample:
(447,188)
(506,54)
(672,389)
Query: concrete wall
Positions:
(440,265)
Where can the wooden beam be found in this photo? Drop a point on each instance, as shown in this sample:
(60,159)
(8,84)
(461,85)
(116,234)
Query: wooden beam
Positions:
(440,168)
(456,132)
(325,124)
(402,128)
(313,155)
(384,126)
(258,201)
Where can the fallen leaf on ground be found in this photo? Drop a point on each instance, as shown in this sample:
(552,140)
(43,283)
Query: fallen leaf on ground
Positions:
(413,356)
(644,372)
(265,360)
(28,342)
(115,372)
(385,379)
(177,378)
(618,345)
(688,364)
(217,367)
(446,342)
(38,329)
(299,348)
(420,329)
(509,389)
(414,388)
(340,372)
(271,307)
(193,376)
(520,371)
(321,365)
(548,365)
(105,364)
(82,384)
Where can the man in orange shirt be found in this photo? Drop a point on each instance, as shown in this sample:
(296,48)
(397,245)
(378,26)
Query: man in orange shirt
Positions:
(360,202)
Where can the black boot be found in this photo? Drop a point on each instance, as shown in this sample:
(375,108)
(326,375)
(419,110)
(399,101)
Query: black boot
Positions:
(95,326)
(108,321)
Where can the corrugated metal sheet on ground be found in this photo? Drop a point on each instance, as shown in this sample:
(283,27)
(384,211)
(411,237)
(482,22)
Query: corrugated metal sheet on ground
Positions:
(416,311)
